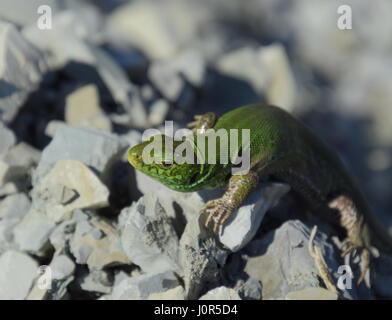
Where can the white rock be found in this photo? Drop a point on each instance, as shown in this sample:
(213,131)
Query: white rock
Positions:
(16,164)
(82,109)
(17,273)
(167,80)
(312,293)
(148,236)
(244,64)
(21,68)
(221,293)
(157,40)
(62,267)
(96,149)
(69,185)
(245,221)
(192,65)
(97,244)
(158,112)
(282,88)
(7,140)
(70,40)
(141,287)
(32,233)
(23,13)
(176,293)
(52,127)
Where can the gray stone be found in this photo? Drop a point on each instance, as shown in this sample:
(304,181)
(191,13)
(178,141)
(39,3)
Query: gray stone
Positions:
(148,236)
(62,267)
(221,293)
(192,65)
(141,287)
(32,233)
(12,210)
(244,64)
(96,149)
(200,257)
(8,189)
(243,224)
(96,281)
(52,127)
(14,206)
(166,79)
(70,39)
(282,87)
(97,244)
(17,273)
(312,293)
(158,112)
(176,293)
(7,140)
(250,289)
(69,185)
(82,108)
(23,68)
(23,13)
(281,261)
(17,163)
(54,279)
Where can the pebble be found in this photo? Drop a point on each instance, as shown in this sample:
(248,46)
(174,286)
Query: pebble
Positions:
(69,185)
(142,286)
(17,273)
(82,109)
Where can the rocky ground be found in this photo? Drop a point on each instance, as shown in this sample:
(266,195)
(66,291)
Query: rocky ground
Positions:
(74,98)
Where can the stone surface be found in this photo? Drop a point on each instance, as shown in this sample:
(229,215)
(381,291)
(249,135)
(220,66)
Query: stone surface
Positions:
(97,244)
(8,139)
(16,165)
(97,282)
(281,261)
(158,112)
(62,267)
(148,236)
(200,258)
(69,185)
(282,88)
(12,210)
(75,46)
(312,293)
(141,287)
(176,293)
(96,149)
(166,79)
(17,273)
(221,293)
(32,233)
(82,109)
(22,67)
(245,221)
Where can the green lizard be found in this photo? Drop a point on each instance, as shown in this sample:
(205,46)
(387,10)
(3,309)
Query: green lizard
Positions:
(283,148)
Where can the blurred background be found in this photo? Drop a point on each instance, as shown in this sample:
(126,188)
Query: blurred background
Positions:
(124,66)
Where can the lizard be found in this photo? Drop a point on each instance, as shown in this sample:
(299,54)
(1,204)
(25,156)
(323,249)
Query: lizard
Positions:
(284,148)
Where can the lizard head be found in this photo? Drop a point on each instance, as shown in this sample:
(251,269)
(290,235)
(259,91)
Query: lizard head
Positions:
(152,158)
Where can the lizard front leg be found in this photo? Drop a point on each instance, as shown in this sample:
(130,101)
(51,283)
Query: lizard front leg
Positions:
(357,231)
(240,187)
(202,122)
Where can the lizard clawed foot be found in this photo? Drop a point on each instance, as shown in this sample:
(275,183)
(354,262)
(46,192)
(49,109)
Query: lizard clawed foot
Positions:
(202,122)
(365,257)
(218,212)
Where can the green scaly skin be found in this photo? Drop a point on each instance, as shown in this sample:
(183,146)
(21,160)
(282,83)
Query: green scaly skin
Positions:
(282,147)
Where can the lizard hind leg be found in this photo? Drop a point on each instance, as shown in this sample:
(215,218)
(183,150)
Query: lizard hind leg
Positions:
(357,237)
